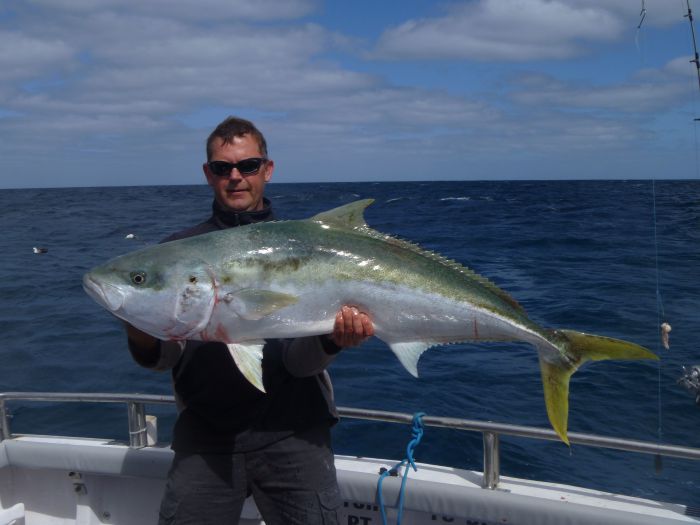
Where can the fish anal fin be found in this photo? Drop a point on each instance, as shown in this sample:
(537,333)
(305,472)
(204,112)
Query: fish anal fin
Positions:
(248,358)
(408,353)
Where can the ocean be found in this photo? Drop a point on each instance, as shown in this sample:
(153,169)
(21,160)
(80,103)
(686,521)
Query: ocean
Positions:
(609,257)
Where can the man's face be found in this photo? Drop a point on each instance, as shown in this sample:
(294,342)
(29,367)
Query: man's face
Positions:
(235,191)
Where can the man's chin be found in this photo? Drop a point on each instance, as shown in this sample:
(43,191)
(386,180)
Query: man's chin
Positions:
(237,201)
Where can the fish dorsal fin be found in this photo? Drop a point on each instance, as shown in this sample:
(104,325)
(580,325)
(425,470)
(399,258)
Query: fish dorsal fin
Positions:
(450,263)
(351,216)
(348,216)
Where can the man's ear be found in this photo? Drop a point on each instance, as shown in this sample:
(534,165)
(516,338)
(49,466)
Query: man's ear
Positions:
(269,168)
(207,174)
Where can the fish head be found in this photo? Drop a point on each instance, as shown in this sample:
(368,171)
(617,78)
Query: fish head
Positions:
(156,291)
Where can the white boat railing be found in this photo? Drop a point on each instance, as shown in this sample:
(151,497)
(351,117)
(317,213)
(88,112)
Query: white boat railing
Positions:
(491,432)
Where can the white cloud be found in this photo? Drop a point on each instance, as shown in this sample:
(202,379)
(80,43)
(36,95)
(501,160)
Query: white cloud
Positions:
(679,67)
(24,56)
(199,10)
(134,41)
(638,97)
(518,30)
(659,13)
(136,65)
(124,80)
(512,30)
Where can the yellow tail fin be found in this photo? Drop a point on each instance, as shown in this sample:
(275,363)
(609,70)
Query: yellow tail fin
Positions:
(576,348)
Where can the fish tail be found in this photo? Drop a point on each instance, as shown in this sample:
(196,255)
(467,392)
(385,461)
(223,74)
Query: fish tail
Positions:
(574,349)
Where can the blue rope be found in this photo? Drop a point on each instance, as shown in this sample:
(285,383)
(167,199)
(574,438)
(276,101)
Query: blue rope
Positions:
(417,434)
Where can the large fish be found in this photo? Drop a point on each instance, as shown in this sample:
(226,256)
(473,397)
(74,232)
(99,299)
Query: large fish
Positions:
(288,279)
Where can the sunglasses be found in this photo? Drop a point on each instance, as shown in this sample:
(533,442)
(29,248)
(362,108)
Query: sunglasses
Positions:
(221,168)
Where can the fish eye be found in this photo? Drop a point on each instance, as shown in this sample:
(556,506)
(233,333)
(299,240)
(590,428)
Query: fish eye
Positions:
(138,278)
(193,279)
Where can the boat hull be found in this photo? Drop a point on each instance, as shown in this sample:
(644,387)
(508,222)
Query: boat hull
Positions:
(58,480)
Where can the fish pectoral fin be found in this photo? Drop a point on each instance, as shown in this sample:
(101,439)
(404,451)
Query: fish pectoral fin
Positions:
(248,358)
(409,353)
(252,304)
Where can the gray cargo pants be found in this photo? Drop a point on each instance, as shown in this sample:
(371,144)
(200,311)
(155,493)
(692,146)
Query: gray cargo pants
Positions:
(292,481)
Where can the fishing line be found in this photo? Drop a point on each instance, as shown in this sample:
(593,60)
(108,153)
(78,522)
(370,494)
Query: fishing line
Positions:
(661,323)
(660,320)
(658,462)
(661,314)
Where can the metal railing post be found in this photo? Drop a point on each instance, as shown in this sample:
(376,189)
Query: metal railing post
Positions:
(4,421)
(138,437)
(491,461)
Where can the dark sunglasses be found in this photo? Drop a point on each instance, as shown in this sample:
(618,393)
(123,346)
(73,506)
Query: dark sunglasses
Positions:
(221,168)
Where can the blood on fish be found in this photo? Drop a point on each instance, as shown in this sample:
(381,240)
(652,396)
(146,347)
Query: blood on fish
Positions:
(220,334)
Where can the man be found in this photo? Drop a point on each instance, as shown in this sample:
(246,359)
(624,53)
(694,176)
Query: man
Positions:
(230,439)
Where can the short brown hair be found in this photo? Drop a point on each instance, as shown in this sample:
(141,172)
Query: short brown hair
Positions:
(236,127)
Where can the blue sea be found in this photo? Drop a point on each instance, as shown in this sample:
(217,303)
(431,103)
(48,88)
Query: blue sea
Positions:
(609,257)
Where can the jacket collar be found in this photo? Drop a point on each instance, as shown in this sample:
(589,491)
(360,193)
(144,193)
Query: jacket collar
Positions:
(226,219)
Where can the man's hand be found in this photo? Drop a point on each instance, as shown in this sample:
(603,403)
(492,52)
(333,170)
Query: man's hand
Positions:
(139,338)
(351,327)
(144,348)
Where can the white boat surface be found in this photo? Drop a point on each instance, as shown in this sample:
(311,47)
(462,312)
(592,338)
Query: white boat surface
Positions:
(52,480)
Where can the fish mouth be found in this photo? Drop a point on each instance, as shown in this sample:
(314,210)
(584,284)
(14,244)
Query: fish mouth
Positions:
(105,294)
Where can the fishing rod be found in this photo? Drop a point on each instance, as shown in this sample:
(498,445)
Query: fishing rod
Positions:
(643,14)
(691,376)
(695,60)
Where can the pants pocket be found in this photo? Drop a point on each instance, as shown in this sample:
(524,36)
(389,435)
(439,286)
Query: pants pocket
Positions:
(329,501)
(168,508)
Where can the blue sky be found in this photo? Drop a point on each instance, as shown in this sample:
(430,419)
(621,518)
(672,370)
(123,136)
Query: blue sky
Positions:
(124,92)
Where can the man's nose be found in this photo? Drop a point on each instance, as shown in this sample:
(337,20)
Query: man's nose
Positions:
(235,174)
